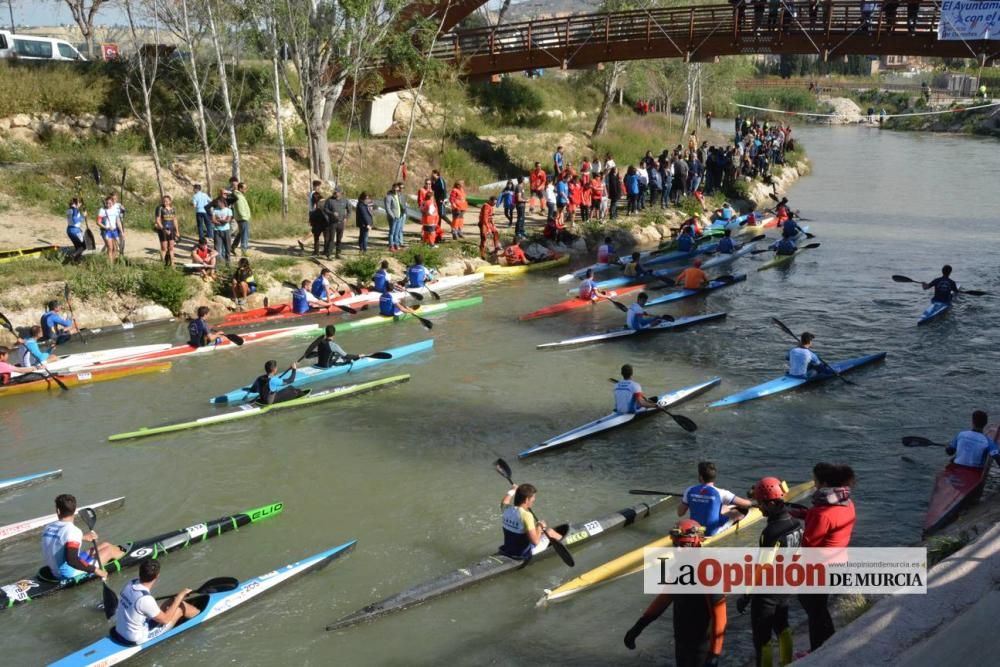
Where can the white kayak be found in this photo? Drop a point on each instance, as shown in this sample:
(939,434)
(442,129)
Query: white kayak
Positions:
(104,357)
(20,529)
(625,332)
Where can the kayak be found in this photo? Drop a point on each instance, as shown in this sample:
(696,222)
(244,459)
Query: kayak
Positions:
(633,562)
(495,565)
(503,270)
(27,253)
(780,260)
(76,378)
(616,419)
(708,234)
(284,311)
(688,293)
(126,325)
(955,488)
(27,480)
(88,360)
(14,531)
(680,255)
(424,311)
(440,285)
(221,342)
(575,303)
(255,410)
(625,332)
(43,583)
(111,650)
(766,222)
(313,374)
(934,311)
(582,273)
(714,261)
(787,382)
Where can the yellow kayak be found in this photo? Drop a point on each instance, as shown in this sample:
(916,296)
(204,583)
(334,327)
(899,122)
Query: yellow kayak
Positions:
(632,562)
(74,378)
(25,253)
(503,270)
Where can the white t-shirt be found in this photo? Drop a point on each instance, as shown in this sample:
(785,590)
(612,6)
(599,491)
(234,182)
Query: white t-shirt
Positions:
(626,396)
(55,538)
(799,359)
(633,316)
(587,287)
(610,164)
(108,217)
(136,608)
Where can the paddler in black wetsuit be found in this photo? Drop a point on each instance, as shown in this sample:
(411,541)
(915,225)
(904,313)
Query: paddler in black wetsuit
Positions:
(769,611)
(699,619)
(271,388)
(331,354)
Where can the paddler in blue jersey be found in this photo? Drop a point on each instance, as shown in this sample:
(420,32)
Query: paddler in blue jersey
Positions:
(55,327)
(686,241)
(944,287)
(523,534)
(970,448)
(199,333)
(588,288)
(382,278)
(784,246)
(273,388)
(802,361)
(303,301)
(30,353)
(726,244)
(637,317)
(322,287)
(390,307)
(629,398)
(710,506)
(417,274)
(790,228)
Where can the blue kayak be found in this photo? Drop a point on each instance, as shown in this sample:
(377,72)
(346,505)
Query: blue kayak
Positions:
(934,311)
(26,480)
(787,382)
(314,374)
(680,255)
(688,293)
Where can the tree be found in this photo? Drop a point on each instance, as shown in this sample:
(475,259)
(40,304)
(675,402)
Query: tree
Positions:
(329,40)
(145,61)
(10,10)
(84,14)
(613,72)
(227,106)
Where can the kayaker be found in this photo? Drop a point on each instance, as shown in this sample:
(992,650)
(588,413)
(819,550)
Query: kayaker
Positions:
(726,213)
(514,256)
(273,388)
(331,354)
(417,274)
(55,327)
(7,370)
(790,228)
(322,286)
(693,277)
(802,361)
(769,611)
(970,448)
(606,252)
(628,394)
(29,352)
(62,542)
(637,317)
(686,241)
(588,288)
(944,287)
(781,211)
(699,619)
(303,301)
(389,307)
(487,228)
(523,534)
(829,523)
(199,333)
(633,269)
(139,618)
(784,246)
(382,277)
(726,244)
(710,506)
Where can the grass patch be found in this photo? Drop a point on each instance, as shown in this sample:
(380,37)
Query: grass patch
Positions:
(361,268)
(789,99)
(434,258)
(939,548)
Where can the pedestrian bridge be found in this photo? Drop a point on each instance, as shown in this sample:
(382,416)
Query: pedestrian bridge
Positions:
(827,28)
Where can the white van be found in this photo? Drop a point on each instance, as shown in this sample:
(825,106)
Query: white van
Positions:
(30,47)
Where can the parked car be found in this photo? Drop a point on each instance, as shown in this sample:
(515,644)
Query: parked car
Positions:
(31,47)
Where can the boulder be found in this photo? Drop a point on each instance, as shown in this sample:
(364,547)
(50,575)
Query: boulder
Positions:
(20,120)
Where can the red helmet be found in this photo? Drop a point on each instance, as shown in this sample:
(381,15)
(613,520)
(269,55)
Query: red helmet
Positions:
(769,488)
(687,533)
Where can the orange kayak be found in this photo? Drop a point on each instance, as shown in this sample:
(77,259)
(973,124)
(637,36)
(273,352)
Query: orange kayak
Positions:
(75,378)
(576,302)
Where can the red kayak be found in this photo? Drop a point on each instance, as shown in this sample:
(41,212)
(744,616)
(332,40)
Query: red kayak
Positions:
(955,488)
(220,343)
(284,311)
(576,302)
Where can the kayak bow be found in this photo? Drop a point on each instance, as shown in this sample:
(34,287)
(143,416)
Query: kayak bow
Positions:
(425,311)
(934,311)
(15,531)
(625,332)
(688,293)
(27,480)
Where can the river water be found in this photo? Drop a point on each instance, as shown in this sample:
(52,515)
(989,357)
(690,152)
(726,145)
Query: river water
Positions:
(407,471)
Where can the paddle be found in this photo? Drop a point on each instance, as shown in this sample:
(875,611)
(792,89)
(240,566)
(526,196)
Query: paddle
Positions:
(682,421)
(71,313)
(622,307)
(121,202)
(5,323)
(234,339)
(107,595)
(917,441)
(504,471)
(781,325)
(353,286)
(215,585)
(643,492)
(311,350)
(970,292)
(808,246)
(293,287)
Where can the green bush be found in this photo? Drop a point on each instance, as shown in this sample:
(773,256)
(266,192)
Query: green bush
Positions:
(95,278)
(433,257)
(361,268)
(165,286)
(789,99)
(512,100)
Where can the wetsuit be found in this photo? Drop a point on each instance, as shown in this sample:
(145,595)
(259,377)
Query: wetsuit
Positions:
(273,389)
(768,611)
(330,354)
(699,626)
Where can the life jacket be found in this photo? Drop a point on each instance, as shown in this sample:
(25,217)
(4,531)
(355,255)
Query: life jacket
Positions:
(515,255)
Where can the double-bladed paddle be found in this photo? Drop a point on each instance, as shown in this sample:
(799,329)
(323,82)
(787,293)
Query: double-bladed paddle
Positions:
(69,304)
(917,441)
(622,307)
(781,325)
(5,323)
(971,292)
(808,246)
(682,421)
(345,309)
(107,595)
(504,471)
(643,492)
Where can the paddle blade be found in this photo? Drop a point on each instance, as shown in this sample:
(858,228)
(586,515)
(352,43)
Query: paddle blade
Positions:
(619,305)
(437,297)
(286,284)
(5,323)
(109,600)
(311,350)
(684,422)
(759,237)
(917,441)
(380,355)
(810,246)
(896,278)
(563,553)
(781,325)
(416,295)
(348,309)
(666,318)
(725,279)
(503,469)
(59,382)
(234,339)
(89,517)
(974,292)
(426,323)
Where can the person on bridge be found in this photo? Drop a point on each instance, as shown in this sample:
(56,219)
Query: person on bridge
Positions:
(890,7)
(912,14)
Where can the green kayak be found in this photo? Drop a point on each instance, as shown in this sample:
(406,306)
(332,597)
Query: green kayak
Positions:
(253,409)
(424,311)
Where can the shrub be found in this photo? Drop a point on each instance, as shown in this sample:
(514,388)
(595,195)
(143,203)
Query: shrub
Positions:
(789,99)
(167,287)
(362,268)
(96,278)
(511,100)
(433,257)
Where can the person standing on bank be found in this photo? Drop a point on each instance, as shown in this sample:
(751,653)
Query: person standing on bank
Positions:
(364,220)
(242,214)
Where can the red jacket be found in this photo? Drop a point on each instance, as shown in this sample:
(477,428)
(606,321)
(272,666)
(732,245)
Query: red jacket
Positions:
(829,525)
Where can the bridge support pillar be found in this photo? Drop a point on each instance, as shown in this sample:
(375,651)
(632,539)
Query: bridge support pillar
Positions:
(378,114)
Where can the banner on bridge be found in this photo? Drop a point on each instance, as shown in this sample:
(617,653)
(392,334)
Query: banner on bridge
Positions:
(969,20)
